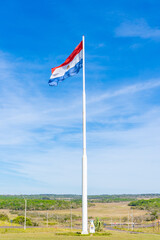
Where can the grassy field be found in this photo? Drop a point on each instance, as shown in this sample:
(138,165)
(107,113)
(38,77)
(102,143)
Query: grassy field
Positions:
(107,212)
(153,230)
(114,210)
(48,234)
(8,224)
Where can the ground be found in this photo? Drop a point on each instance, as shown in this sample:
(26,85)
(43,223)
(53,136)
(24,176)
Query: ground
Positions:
(106,211)
(52,235)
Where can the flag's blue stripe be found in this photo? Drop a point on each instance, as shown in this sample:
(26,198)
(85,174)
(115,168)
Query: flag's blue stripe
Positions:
(71,72)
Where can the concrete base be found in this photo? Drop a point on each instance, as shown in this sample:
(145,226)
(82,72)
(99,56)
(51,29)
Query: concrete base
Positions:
(84,232)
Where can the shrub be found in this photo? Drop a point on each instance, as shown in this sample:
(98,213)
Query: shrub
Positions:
(20,220)
(98,225)
(124,219)
(4,217)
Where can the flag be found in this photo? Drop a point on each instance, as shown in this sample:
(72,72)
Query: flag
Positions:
(69,68)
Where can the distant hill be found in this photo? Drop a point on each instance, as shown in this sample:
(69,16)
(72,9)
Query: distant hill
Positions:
(97,198)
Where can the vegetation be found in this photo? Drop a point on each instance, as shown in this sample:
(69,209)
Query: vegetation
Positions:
(54,202)
(79,234)
(119,197)
(38,204)
(4,217)
(20,220)
(110,199)
(43,196)
(55,234)
(149,204)
(98,225)
(47,212)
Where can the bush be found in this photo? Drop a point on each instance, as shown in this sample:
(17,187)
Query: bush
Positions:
(20,220)
(154,215)
(98,225)
(4,217)
(124,219)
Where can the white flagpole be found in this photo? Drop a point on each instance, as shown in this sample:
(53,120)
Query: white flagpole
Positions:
(84,159)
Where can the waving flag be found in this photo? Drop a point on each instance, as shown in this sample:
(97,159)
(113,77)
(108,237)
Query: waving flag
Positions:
(69,68)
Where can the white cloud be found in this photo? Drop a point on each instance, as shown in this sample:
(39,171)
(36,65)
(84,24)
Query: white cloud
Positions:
(131,89)
(137,28)
(41,138)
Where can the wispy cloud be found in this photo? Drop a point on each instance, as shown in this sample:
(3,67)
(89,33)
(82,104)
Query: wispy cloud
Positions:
(97,45)
(137,28)
(41,134)
(131,89)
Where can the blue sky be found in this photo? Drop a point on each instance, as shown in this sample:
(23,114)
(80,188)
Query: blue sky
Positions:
(41,126)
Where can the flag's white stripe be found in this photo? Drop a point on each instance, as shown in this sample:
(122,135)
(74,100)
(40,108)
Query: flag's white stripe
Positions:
(62,70)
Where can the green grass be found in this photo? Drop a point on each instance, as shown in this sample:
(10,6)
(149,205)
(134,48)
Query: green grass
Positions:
(64,234)
(151,230)
(5,223)
(79,234)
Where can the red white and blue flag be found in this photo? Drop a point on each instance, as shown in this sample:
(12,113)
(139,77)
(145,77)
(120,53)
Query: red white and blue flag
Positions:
(69,68)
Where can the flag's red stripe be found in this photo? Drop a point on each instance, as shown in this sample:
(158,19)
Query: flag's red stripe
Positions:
(71,57)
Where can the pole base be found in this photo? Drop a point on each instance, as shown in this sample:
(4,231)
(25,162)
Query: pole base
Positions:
(84,232)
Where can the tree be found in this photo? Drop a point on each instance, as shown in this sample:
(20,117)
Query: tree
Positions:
(20,220)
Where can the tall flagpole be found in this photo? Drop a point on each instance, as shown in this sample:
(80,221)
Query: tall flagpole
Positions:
(84,159)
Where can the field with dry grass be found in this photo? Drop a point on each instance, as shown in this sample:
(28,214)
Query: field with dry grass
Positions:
(62,234)
(106,212)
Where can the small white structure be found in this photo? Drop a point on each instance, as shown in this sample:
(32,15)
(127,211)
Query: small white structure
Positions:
(92,227)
